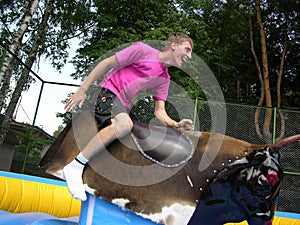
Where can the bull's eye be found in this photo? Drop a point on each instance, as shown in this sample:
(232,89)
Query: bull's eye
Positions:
(259,156)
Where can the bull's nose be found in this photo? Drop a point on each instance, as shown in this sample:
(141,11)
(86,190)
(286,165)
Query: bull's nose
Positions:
(270,179)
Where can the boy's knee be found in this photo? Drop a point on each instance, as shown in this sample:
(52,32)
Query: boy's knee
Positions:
(123,125)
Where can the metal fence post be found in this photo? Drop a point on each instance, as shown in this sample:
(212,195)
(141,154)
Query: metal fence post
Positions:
(32,129)
(274,125)
(195,111)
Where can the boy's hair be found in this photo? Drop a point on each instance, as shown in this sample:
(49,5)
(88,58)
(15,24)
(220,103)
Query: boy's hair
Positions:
(178,38)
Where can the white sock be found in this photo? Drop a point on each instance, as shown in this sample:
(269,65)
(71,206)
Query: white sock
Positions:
(73,176)
(81,158)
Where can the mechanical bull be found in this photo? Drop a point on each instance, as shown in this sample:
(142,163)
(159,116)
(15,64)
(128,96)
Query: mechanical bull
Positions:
(240,181)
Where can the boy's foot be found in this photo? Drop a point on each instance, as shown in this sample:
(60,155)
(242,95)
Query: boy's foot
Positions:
(73,176)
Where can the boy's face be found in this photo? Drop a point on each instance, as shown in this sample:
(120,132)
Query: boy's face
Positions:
(181,53)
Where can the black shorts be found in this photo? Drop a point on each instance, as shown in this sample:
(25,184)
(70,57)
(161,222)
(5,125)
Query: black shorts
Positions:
(106,106)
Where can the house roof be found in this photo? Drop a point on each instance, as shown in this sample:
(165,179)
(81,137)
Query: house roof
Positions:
(21,128)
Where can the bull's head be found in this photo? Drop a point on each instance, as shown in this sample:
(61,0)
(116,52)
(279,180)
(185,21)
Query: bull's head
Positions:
(246,189)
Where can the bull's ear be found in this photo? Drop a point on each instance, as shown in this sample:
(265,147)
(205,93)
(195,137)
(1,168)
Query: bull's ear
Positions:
(260,155)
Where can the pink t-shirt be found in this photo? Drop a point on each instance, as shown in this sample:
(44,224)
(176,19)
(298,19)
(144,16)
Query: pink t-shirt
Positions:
(140,69)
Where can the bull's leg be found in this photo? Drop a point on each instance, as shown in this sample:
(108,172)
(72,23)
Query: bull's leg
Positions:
(205,215)
(217,207)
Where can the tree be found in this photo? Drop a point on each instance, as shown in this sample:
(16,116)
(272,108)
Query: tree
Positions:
(22,81)
(58,131)
(116,23)
(42,38)
(225,48)
(8,64)
(263,73)
(220,30)
(263,64)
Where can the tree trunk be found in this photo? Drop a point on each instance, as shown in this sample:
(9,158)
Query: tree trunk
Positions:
(266,134)
(280,74)
(262,94)
(238,89)
(264,56)
(8,64)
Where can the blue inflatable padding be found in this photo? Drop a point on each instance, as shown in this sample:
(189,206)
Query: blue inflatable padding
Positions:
(53,222)
(108,214)
(34,218)
(295,216)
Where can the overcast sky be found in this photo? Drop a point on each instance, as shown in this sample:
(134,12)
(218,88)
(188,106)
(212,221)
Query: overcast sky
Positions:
(51,98)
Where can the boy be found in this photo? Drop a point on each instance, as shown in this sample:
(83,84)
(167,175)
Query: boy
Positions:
(131,70)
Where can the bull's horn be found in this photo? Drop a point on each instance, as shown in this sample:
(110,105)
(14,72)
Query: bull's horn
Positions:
(285,143)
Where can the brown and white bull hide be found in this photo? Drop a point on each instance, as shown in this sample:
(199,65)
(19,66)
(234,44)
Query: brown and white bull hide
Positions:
(136,185)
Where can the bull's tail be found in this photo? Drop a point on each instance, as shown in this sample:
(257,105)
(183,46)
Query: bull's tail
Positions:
(284,143)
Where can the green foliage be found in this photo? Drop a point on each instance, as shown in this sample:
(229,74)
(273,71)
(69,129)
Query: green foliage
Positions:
(220,30)
(29,150)
(59,129)
(121,22)
(143,110)
(67,117)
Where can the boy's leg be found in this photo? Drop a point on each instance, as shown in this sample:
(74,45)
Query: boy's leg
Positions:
(73,171)
(120,125)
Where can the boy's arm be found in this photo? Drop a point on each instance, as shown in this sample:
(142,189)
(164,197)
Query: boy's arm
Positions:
(161,114)
(79,96)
